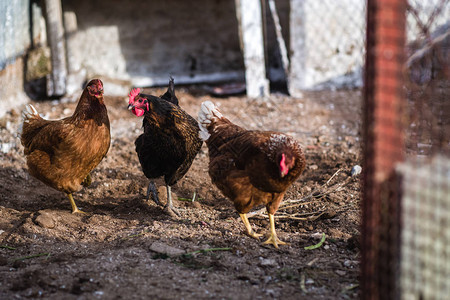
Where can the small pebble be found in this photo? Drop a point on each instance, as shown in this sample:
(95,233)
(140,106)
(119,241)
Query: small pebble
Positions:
(163,248)
(6,147)
(267,262)
(267,279)
(317,235)
(356,170)
(45,220)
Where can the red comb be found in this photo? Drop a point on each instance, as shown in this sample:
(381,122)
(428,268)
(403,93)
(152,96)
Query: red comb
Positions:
(133,94)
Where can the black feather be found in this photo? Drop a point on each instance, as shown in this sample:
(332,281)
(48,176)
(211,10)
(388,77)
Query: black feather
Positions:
(170,94)
(170,141)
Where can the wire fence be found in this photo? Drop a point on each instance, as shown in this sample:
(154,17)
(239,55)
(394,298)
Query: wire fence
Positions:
(427,74)
(406,207)
(424,266)
(329,43)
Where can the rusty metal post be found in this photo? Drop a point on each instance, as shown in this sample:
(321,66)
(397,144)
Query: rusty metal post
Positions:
(383,147)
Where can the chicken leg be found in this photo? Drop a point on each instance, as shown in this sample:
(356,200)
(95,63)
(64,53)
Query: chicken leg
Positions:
(250,231)
(273,239)
(152,188)
(169,206)
(74,206)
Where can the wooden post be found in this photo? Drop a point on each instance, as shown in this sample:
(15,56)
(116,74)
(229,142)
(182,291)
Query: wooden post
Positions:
(56,81)
(280,39)
(251,32)
(296,79)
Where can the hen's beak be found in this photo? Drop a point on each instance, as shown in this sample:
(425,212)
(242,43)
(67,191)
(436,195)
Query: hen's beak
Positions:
(130,106)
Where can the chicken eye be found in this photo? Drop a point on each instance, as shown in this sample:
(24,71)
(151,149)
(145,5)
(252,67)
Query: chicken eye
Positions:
(140,100)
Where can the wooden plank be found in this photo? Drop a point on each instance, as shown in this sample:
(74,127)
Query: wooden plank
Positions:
(251,32)
(280,39)
(56,83)
(296,80)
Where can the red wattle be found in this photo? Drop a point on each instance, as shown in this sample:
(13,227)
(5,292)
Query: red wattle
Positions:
(138,111)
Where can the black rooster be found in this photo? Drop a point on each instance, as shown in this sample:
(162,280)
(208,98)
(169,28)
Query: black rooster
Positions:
(170,140)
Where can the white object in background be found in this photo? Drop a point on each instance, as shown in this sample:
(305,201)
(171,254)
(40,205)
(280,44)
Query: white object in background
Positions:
(251,33)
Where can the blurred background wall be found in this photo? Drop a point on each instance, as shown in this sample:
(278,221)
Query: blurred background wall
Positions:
(307,44)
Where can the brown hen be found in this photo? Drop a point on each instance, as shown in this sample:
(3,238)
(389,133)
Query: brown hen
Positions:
(250,167)
(62,153)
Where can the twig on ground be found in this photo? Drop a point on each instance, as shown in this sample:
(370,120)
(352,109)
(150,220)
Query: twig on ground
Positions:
(302,283)
(350,287)
(312,262)
(337,172)
(7,247)
(296,205)
(324,190)
(301,217)
(187,199)
(318,244)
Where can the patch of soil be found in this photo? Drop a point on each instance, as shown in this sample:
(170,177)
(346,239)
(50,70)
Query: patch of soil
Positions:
(127,247)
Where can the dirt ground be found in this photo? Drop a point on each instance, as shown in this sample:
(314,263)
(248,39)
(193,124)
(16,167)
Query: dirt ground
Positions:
(127,248)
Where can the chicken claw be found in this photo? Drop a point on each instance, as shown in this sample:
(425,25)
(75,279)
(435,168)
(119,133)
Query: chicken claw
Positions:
(250,231)
(152,188)
(273,239)
(74,206)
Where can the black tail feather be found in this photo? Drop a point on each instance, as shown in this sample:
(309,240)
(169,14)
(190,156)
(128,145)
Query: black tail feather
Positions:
(170,94)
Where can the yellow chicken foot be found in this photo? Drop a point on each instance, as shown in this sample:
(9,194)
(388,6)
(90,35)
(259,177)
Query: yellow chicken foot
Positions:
(74,206)
(87,181)
(250,231)
(273,239)
(169,206)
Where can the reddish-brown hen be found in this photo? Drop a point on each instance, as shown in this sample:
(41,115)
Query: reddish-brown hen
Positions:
(250,167)
(62,153)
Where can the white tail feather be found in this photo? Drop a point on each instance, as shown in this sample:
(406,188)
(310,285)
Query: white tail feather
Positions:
(28,113)
(203,133)
(208,112)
